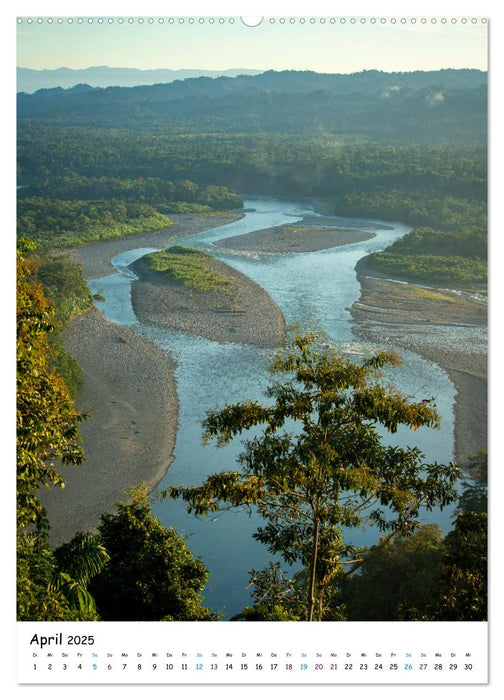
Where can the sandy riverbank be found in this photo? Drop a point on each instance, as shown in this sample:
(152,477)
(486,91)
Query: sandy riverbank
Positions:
(129,390)
(446,328)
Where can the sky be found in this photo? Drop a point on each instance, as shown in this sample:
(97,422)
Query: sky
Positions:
(335,44)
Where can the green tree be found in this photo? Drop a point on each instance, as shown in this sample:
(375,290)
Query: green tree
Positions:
(462,591)
(82,558)
(318,463)
(151,574)
(275,595)
(474,497)
(64,285)
(47,422)
(53,585)
(37,599)
(403,573)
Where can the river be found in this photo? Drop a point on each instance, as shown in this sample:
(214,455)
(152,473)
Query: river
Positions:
(316,288)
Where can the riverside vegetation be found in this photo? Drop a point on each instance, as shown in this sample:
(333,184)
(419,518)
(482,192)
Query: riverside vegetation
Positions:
(188,267)
(188,148)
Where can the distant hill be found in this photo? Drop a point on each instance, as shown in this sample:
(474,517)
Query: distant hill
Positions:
(29,80)
(445,105)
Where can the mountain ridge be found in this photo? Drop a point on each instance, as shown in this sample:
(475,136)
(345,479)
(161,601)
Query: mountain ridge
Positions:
(29,80)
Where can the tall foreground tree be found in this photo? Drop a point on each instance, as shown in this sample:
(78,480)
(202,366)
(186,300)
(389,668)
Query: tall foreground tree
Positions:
(47,422)
(317,463)
(47,436)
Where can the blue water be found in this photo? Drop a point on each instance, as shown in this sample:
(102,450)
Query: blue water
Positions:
(317,288)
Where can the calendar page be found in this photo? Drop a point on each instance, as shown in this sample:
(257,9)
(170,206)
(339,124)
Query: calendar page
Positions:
(252,312)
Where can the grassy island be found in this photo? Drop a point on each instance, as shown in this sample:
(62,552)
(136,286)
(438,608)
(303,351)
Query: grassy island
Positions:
(188,267)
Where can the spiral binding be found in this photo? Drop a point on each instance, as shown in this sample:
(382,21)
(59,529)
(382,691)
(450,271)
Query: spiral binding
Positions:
(271,20)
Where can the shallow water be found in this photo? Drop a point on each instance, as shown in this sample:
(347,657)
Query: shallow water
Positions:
(317,288)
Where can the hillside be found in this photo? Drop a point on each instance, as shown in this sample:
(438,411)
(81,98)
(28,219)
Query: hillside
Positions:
(446,105)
